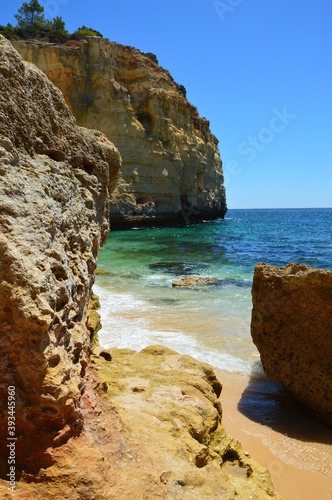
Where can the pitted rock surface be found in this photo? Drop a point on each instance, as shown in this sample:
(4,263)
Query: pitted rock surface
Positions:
(292,328)
(54,189)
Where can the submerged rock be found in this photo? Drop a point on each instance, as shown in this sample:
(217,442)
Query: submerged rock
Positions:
(173,267)
(55,183)
(292,328)
(171,171)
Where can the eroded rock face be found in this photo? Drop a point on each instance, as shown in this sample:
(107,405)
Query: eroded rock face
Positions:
(169,404)
(162,437)
(54,186)
(171,168)
(292,328)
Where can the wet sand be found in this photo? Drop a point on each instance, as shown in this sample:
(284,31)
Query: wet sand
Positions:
(274,429)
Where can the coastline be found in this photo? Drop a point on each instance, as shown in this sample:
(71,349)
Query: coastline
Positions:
(287,458)
(291,444)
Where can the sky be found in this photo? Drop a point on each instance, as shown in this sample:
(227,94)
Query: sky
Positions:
(259,70)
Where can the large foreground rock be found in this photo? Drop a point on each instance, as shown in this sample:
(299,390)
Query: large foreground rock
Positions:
(292,328)
(152,429)
(169,404)
(55,179)
(171,167)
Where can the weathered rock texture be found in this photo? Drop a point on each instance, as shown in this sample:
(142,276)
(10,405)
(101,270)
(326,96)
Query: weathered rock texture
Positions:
(292,328)
(161,439)
(169,404)
(54,186)
(171,167)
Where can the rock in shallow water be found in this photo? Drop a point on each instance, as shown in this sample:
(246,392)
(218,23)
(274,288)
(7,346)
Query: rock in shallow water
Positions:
(195,281)
(173,267)
(292,328)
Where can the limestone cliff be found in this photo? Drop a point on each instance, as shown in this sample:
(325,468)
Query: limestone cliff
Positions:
(54,188)
(171,167)
(292,328)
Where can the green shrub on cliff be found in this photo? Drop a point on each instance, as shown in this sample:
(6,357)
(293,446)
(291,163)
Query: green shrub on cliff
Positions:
(57,32)
(181,89)
(31,23)
(9,32)
(85,31)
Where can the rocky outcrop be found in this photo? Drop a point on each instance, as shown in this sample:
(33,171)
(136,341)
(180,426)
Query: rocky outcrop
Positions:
(292,328)
(171,167)
(55,182)
(169,404)
(162,437)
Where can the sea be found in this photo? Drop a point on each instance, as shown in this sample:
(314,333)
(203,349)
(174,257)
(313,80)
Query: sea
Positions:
(141,307)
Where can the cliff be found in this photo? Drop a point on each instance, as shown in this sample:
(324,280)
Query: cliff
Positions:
(55,182)
(171,170)
(292,328)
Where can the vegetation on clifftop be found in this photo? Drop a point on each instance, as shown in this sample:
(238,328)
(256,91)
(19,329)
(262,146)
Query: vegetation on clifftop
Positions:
(31,23)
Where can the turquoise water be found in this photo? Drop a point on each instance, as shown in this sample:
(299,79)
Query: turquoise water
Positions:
(212,323)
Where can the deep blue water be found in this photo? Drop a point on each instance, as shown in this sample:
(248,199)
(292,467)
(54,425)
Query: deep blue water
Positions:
(279,236)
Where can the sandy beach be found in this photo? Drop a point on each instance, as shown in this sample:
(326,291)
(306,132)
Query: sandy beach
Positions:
(291,444)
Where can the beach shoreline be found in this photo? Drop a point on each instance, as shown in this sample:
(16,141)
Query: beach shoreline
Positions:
(296,466)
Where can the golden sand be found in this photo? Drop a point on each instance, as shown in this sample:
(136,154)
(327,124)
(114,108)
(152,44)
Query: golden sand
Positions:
(293,446)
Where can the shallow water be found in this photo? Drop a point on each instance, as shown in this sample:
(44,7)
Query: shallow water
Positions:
(212,323)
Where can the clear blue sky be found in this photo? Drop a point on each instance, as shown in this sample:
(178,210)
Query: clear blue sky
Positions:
(259,70)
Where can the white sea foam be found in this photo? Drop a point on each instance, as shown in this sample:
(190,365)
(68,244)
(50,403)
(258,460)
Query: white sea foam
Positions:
(125,324)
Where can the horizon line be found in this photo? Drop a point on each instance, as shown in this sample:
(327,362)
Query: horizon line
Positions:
(279,208)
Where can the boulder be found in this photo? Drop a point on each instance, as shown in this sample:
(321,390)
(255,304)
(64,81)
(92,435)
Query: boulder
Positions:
(195,282)
(170,405)
(291,326)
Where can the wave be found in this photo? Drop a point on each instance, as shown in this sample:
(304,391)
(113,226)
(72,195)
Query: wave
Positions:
(125,324)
